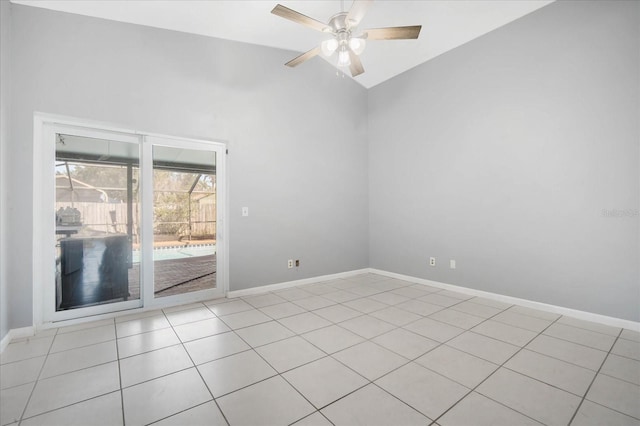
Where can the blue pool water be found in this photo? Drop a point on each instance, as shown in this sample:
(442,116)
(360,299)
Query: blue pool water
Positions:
(178,252)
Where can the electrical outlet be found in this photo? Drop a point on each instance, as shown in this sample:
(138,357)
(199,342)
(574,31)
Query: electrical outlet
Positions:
(297,263)
(432,261)
(452,264)
(290,263)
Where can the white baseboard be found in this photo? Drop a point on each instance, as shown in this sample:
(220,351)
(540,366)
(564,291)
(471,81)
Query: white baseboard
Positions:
(16,333)
(288,284)
(19,333)
(587,316)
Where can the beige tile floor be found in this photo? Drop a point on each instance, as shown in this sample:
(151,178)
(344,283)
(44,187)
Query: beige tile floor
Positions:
(368,350)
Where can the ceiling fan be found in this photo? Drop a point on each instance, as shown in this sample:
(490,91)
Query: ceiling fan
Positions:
(346,40)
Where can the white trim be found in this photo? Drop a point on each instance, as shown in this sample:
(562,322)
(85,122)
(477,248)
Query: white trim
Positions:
(115,314)
(38,205)
(288,284)
(146,223)
(587,316)
(44,225)
(16,333)
(222,217)
(5,341)
(19,333)
(90,125)
(148,142)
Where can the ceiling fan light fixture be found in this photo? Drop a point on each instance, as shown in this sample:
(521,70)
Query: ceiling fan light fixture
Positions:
(342,26)
(343,58)
(357,44)
(329,46)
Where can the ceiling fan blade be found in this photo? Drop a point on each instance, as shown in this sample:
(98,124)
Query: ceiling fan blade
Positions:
(304,57)
(393,33)
(356,67)
(357,11)
(297,17)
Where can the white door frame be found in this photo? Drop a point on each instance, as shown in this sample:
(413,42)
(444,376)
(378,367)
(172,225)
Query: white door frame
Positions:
(146,166)
(43,244)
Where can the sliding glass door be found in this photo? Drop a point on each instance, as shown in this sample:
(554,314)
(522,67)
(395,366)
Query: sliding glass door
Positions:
(185,219)
(137,222)
(96,206)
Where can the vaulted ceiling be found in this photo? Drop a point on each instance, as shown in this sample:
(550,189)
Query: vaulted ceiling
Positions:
(446,24)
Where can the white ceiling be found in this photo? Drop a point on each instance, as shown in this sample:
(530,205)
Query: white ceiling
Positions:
(446,24)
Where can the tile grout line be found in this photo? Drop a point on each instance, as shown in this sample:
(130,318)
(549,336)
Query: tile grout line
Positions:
(328,355)
(396,327)
(619,378)
(443,308)
(497,369)
(539,333)
(180,343)
(413,360)
(556,387)
(71,371)
(618,334)
(614,410)
(362,314)
(182,411)
(24,410)
(196,368)
(594,379)
(64,406)
(115,326)
(582,344)
(560,359)
(281,374)
(309,415)
(61,374)
(168,374)
(409,360)
(278,374)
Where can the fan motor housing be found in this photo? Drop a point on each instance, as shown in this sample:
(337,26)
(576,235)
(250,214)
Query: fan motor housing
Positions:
(338,22)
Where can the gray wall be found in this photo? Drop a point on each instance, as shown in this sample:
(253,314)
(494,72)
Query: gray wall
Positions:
(503,153)
(297,138)
(5,37)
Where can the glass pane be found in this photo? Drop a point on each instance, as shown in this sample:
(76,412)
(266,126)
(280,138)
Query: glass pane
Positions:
(184,228)
(97,210)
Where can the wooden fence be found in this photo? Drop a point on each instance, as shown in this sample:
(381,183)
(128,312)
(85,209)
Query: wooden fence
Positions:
(112,218)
